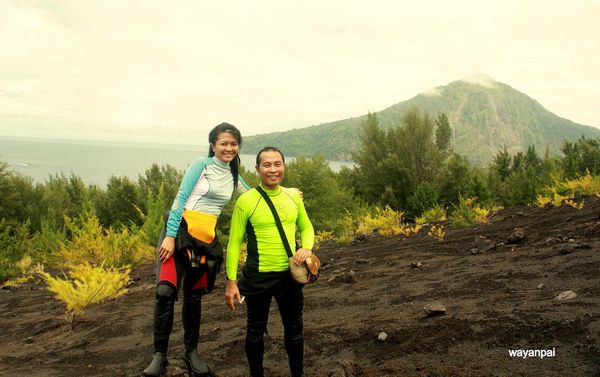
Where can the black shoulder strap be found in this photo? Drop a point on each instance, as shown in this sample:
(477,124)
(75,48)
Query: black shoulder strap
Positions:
(277,220)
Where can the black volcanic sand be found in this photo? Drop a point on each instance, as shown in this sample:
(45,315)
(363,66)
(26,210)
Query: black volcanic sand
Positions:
(495,300)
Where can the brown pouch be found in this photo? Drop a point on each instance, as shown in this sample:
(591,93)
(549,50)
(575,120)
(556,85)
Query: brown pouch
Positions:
(306,273)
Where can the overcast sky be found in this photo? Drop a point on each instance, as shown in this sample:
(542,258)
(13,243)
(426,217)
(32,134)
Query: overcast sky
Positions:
(171,70)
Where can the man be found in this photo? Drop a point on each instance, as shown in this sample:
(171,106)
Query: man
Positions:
(265,274)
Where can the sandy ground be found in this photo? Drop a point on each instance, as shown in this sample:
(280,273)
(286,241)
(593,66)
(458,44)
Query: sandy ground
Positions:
(499,293)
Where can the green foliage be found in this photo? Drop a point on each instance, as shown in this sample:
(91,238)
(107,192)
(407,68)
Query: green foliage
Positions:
(372,160)
(120,206)
(87,285)
(416,148)
(561,191)
(468,213)
(424,198)
(434,214)
(62,196)
(154,217)
(250,177)
(522,187)
(437,232)
(392,165)
(18,281)
(347,179)
(386,222)
(19,245)
(443,133)
(19,199)
(581,157)
(14,242)
(90,242)
(324,199)
(501,164)
(458,179)
(520,181)
(163,180)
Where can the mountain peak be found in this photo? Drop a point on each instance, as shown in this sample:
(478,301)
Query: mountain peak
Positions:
(480,79)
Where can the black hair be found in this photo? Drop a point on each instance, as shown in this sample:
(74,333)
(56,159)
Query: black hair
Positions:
(267,149)
(213,135)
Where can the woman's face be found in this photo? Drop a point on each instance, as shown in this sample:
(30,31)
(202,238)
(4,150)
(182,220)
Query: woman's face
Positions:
(226,147)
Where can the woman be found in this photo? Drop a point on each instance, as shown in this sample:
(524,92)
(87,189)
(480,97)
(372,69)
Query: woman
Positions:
(207,186)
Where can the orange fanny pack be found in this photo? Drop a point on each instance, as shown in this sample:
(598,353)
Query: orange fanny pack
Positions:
(201,225)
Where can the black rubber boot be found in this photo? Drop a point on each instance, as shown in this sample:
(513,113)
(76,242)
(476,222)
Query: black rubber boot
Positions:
(157,366)
(294,345)
(195,365)
(163,323)
(191,313)
(255,347)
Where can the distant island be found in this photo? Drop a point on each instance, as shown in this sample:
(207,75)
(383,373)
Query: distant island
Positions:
(485,116)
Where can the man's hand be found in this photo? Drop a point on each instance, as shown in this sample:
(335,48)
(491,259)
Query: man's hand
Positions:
(299,192)
(301,256)
(167,248)
(231,294)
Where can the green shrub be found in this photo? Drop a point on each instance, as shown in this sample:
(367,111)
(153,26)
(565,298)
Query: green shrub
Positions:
(437,213)
(87,285)
(89,242)
(468,213)
(386,222)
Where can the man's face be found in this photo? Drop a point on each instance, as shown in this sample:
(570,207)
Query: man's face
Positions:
(271,169)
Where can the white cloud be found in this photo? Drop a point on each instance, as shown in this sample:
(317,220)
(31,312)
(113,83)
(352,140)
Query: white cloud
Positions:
(480,79)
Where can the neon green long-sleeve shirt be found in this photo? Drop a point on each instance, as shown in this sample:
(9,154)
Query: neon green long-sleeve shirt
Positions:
(252,217)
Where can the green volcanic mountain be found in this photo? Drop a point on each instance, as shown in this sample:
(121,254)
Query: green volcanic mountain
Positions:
(485,116)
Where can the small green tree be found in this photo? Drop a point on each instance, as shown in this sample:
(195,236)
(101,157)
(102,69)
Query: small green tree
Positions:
(87,285)
(443,133)
(325,201)
(369,159)
(19,199)
(156,206)
(425,197)
(580,157)
(120,207)
(160,178)
(62,196)
(501,164)
(455,179)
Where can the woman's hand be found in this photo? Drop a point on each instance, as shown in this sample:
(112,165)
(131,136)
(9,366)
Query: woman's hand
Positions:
(299,192)
(231,294)
(301,256)
(167,248)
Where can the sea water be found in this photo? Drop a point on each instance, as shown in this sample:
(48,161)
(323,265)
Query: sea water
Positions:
(96,161)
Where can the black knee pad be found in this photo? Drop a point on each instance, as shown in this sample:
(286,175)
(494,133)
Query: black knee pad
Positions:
(166,293)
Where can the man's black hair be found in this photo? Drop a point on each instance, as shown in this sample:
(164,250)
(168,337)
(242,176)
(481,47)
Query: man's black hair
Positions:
(268,149)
